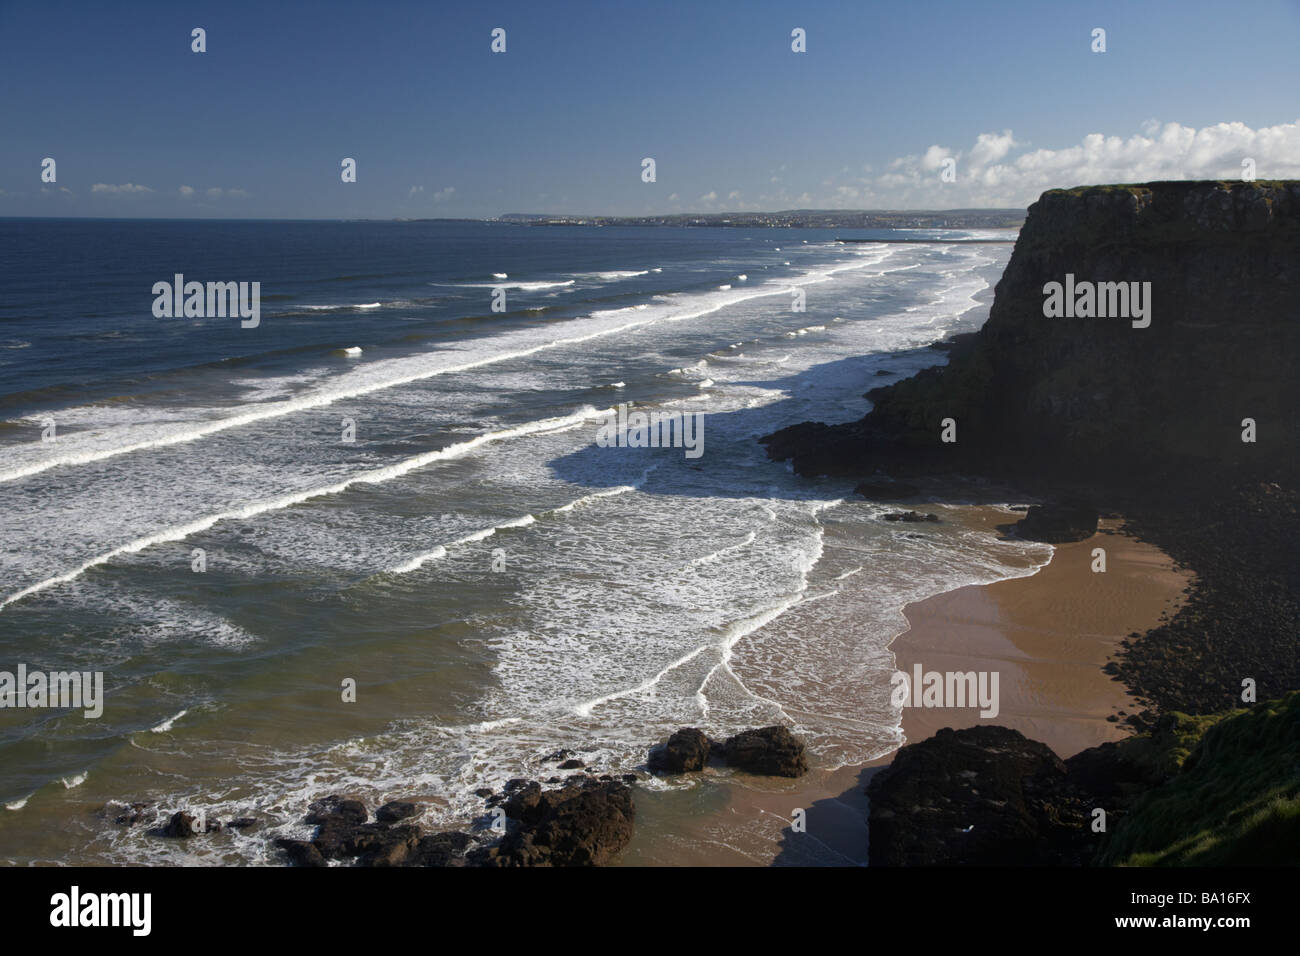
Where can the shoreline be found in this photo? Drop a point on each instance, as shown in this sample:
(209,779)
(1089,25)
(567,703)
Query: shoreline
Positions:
(1049,635)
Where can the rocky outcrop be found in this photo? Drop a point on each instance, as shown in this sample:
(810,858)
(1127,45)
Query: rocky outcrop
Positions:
(984,795)
(584,823)
(768,751)
(1058,523)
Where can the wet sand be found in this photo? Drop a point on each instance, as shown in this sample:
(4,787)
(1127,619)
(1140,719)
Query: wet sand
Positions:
(1048,635)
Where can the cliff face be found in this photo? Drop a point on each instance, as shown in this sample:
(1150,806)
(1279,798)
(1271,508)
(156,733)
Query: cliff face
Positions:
(1090,397)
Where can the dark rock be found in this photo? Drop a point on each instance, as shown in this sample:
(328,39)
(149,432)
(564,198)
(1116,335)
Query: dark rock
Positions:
(386,846)
(573,764)
(180,826)
(629,778)
(441,849)
(555,780)
(557,755)
(910,516)
(135,814)
(249,824)
(396,810)
(524,803)
(336,808)
(770,751)
(584,823)
(1058,523)
(984,795)
(301,853)
(483,792)
(685,750)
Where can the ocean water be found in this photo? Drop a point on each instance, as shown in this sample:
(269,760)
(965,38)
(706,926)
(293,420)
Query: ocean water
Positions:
(497,584)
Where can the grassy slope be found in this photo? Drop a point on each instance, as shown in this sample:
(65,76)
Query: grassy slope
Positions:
(1236,800)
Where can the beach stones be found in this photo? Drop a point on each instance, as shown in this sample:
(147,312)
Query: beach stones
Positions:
(686,750)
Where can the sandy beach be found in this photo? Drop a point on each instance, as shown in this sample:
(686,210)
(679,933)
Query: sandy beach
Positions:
(1048,635)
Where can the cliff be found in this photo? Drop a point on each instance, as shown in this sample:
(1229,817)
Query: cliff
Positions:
(1095,398)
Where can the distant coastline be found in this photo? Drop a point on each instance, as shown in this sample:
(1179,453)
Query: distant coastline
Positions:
(792,219)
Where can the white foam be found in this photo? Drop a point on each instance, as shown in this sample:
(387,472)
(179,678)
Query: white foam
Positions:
(525,286)
(86,447)
(166,725)
(373,476)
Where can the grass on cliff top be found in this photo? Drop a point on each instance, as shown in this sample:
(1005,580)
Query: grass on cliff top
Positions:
(1236,801)
(1187,183)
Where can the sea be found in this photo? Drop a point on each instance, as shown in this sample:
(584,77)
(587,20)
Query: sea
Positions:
(372,545)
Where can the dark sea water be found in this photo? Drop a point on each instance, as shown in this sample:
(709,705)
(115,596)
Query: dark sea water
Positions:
(497,584)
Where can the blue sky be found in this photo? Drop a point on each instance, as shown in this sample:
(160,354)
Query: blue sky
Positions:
(440,126)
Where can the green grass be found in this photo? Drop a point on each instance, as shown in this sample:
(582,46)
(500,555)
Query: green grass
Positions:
(1235,802)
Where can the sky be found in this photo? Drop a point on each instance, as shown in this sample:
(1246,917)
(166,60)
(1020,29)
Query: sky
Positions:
(258,125)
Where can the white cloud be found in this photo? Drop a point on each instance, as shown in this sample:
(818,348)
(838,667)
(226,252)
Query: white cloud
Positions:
(673,197)
(186,191)
(124,189)
(444,193)
(214,192)
(414,190)
(988,174)
(709,196)
(734,194)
